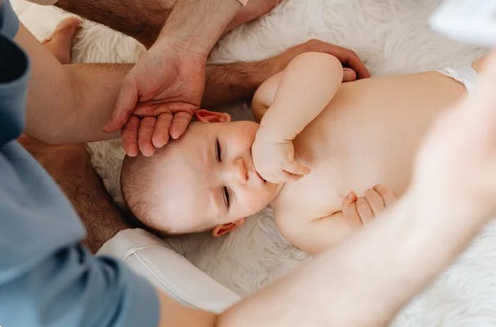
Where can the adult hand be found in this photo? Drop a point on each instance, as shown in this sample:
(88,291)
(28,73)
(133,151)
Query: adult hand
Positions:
(348,58)
(158,98)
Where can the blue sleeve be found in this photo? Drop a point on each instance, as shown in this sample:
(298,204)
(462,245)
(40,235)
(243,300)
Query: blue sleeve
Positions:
(73,288)
(9,24)
(46,277)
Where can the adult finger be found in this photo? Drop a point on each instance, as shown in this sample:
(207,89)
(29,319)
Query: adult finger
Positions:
(349,75)
(125,104)
(161,134)
(375,201)
(146,129)
(350,59)
(387,195)
(180,123)
(364,210)
(129,136)
(347,57)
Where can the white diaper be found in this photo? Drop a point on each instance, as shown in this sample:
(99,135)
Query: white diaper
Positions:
(464,74)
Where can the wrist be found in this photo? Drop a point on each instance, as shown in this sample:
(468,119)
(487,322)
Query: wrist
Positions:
(196,25)
(266,134)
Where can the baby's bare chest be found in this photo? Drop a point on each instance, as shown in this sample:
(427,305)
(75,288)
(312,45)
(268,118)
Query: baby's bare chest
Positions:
(316,195)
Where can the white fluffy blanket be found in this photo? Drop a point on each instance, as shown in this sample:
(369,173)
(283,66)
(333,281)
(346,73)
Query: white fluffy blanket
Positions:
(392,37)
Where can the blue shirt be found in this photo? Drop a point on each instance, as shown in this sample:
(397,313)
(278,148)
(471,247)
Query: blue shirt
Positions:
(46,277)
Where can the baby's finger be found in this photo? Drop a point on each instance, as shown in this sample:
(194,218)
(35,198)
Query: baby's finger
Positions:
(387,195)
(375,201)
(290,177)
(295,168)
(364,210)
(146,129)
(180,123)
(349,209)
(161,134)
(129,136)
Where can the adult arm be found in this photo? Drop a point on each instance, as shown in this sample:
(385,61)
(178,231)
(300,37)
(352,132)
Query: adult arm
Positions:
(76,103)
(170,77)
(145,19)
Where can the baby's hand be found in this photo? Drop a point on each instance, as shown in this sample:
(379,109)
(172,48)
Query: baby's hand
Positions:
(374,201)
(274,160)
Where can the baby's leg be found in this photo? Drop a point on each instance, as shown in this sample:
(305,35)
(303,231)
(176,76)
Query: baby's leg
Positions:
(60,43)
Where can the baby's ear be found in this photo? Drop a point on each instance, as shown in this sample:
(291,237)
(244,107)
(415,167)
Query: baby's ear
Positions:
(226,228)
(206,116)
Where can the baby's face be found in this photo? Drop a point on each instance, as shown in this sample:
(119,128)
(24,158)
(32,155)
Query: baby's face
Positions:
(209,177)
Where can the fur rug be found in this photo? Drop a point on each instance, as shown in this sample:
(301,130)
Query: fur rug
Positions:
(392,37)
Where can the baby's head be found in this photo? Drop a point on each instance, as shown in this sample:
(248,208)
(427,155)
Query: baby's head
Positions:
(204,180)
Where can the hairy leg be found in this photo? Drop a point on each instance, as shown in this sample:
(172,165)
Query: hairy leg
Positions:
(70,167)
(143,19)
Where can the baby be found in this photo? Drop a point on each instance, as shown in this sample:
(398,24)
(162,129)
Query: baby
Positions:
(317,139)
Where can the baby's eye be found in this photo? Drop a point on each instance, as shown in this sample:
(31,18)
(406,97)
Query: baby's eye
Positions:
(218,153)
(227,198)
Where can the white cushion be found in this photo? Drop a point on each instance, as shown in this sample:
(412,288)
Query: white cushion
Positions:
(153,258)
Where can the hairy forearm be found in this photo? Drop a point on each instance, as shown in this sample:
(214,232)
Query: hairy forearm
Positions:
(196,25)
(366,279)
(233,82)
(310,82)
(71,168)
(141,19)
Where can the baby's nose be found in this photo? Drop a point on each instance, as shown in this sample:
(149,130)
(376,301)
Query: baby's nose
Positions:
(238,171)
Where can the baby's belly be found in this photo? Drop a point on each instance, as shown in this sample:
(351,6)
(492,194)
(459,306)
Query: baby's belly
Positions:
(321,193)
(368,135)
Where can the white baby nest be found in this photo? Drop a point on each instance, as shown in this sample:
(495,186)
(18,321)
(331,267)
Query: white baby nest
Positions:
(392,37)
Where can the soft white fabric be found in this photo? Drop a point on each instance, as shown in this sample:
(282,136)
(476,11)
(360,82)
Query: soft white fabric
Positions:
(169,271)
(464,74)
(392,37)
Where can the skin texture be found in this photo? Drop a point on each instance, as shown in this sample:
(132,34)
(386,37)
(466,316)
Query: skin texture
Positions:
(215,156)
(170,77)
(144,19)
(153,106)
(361,274)
(315,155)
(86,94)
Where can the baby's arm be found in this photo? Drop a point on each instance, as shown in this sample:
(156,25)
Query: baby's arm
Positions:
(303,90)
(317,235)
(294,98)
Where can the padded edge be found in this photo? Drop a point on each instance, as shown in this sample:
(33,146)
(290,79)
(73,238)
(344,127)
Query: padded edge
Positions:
(167,270)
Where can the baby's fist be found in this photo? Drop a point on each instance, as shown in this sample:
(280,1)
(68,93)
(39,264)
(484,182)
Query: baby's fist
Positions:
(274,160)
